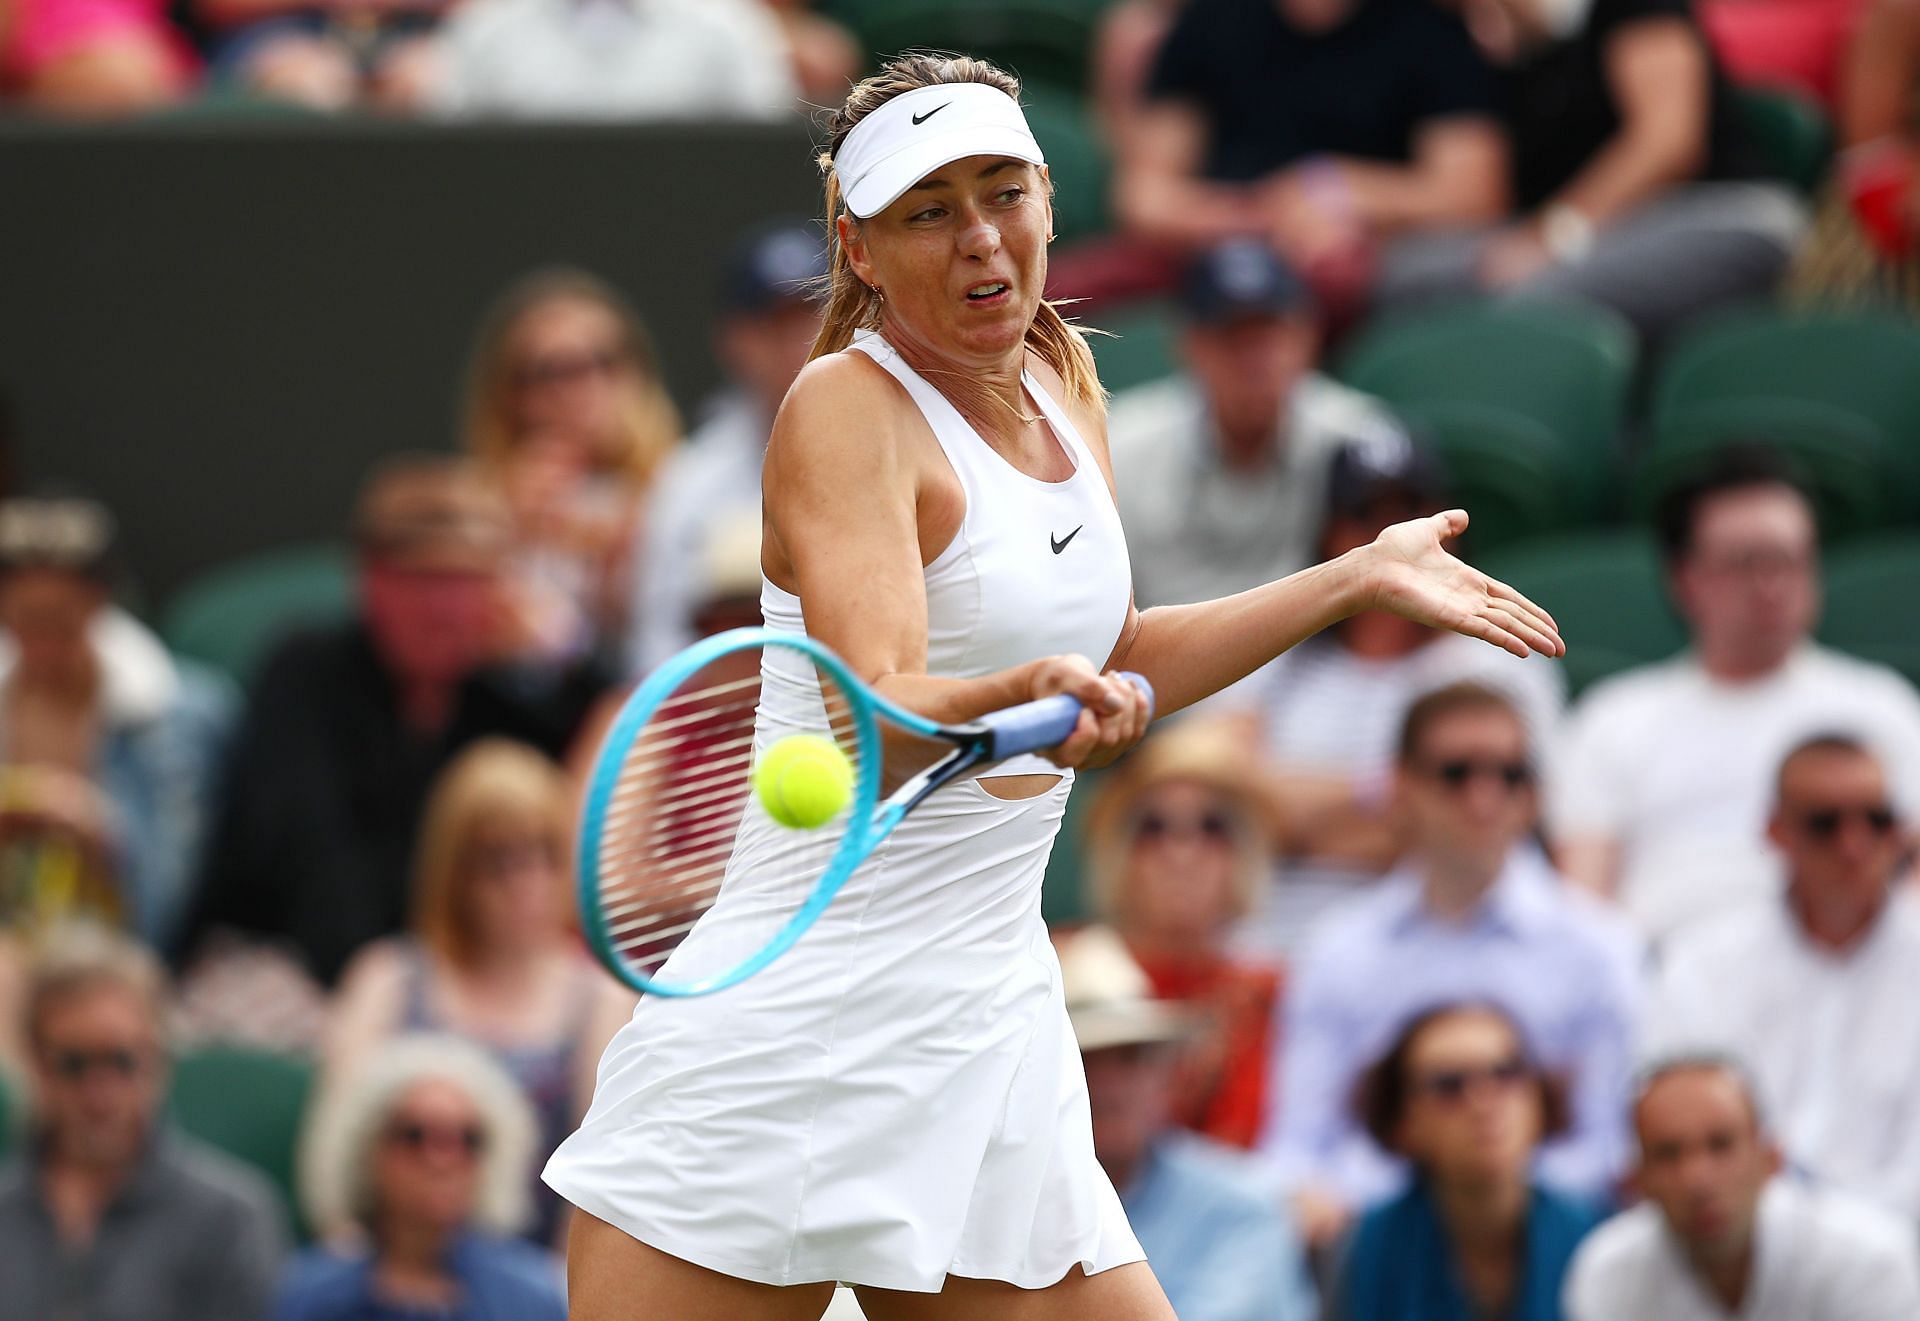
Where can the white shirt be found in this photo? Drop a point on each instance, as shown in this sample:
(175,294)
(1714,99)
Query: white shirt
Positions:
(1324,710)
(1197,529)
(1817,1257)
(713,477)
(1679,768)
(616,59)
(1833,1040)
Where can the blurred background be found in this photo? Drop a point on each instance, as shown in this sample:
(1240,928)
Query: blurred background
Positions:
(383,386)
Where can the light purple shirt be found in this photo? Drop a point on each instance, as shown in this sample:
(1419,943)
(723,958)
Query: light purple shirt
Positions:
(1568,970)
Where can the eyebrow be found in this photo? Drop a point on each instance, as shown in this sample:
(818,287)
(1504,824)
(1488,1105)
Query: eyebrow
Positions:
(935,181)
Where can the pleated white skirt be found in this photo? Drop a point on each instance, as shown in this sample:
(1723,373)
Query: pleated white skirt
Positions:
(896,1099)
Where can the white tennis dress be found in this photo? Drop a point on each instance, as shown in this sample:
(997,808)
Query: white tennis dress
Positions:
(899,1097)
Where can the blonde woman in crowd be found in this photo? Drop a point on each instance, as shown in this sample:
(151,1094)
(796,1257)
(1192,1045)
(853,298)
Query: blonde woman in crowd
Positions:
(1180,845)
(566,408)
(415,1174)
(492,955)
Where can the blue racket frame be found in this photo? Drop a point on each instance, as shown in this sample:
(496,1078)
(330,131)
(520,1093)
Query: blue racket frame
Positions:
(1030,727)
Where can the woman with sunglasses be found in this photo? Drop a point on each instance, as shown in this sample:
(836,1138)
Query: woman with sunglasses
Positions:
(415,1175)
(1180,845)
(1474,1238)
(566,408)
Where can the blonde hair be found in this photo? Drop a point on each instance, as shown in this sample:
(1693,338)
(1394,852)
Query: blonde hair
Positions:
(651,421)
(1197,750)
(496,781)
(336,1147)
(852,305)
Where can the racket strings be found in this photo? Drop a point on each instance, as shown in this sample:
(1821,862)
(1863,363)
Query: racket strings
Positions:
(682,825)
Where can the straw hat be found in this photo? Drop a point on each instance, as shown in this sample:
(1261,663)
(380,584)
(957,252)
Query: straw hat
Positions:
(1210,751)
(1109,1000)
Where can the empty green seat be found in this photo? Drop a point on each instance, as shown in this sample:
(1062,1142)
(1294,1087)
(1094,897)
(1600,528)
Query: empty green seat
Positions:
(1844,457)
(1504,468)
(248,1103)
(229,616)
(1871,590)
(1563,366)
(1142,347)
(1606,590)
(12,1113)
(1842,392)
(1791,132)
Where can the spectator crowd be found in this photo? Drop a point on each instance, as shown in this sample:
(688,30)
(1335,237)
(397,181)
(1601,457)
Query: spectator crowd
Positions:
(1413,981)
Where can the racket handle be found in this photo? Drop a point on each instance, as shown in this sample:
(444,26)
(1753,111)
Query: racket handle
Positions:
(1045,723)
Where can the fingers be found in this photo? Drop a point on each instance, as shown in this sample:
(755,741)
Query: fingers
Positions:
(1539,618)
(1519,624)
(1115,717)
(1450,523)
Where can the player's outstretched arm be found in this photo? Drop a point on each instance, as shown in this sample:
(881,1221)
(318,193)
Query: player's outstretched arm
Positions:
(1190,652)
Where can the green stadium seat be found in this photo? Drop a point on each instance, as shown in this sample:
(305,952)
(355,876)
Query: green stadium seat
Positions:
(1076,159)
(1040,40)
(1606,590)
(1870,592)
(12,1113)
(1842,392)
(1142,345)
(1791,132)
(248,1103)
(1566,367)
(1844,456)
(1506,469)
(231,615)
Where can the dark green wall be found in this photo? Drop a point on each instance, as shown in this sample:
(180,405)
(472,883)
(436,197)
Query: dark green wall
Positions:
(216,325)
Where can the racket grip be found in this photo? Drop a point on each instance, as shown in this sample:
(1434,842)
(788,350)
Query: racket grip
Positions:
(1046,723)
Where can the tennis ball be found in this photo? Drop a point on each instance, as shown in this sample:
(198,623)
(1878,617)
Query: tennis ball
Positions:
(804,781)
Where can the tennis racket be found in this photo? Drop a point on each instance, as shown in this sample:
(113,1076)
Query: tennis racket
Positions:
(687,885)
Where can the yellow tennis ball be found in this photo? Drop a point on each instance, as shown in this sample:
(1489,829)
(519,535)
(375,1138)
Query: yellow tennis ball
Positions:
(804,781)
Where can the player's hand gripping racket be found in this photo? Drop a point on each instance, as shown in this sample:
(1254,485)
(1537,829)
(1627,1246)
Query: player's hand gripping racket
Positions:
(672,825)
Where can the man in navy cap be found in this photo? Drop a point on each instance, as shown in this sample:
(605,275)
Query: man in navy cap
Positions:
(769,316)
(1222,469)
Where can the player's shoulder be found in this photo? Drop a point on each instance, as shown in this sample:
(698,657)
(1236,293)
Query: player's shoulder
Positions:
(837,406)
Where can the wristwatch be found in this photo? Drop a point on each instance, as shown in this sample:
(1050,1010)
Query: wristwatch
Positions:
(1566,232)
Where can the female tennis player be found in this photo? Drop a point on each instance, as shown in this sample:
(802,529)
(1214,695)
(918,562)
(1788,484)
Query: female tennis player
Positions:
(897,1102)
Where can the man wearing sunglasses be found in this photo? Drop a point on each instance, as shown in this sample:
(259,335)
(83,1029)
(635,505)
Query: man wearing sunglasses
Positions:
(1813,990)
(109,1217)
(1473,912)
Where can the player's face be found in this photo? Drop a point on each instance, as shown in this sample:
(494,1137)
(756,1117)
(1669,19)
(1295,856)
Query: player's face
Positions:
(427,1158)
(1184,850)
(1836,823)
(1469,788)
(1473,1112)
(1703,1160)
(1749,584)
(960,258)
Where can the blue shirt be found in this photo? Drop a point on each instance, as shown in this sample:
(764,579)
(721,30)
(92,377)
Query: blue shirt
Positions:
(1567,970)
(1215,1235)
(1399,1266)
(500,1280)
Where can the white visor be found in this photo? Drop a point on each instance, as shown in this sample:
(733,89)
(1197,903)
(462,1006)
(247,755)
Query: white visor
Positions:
(917,132)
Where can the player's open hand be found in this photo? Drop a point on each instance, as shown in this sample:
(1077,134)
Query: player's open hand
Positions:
(1410,573)
(1116,712)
